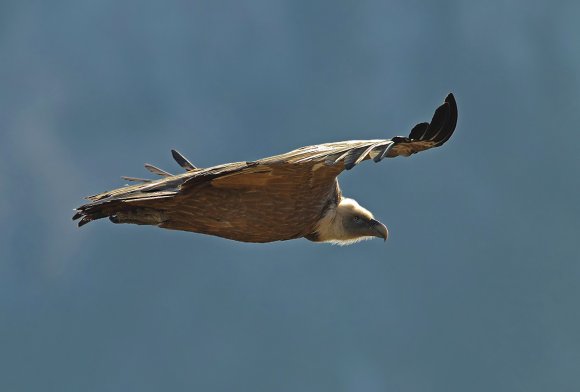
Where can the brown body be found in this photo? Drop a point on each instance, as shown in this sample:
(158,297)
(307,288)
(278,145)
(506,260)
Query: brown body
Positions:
(254,206)
(278,198)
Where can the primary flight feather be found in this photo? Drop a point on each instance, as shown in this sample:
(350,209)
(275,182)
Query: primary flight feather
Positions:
(287,196)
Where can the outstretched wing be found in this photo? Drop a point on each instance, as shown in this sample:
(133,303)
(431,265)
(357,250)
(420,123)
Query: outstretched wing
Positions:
(317,166)
(350,153)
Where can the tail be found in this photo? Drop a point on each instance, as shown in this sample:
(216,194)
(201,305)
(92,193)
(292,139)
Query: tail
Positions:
(142,204)
(141,209)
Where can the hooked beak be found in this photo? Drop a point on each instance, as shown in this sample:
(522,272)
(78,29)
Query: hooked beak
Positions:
(379,230)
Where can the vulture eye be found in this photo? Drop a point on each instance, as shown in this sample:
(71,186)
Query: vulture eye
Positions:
(356,219)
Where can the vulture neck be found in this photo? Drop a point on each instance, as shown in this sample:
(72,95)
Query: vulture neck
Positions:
(330,227)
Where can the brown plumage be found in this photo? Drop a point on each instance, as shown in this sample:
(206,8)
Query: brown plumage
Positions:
(282,197)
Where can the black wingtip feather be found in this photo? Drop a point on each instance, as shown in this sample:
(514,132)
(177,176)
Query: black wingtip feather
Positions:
(418,130)
(453,115)
(438,123)
(442,125)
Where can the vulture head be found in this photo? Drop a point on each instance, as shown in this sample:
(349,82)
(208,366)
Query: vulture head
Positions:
(348,223)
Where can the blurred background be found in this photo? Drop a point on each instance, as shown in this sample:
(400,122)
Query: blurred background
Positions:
(477,288)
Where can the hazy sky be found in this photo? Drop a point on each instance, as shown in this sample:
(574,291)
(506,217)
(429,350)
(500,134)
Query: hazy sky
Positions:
(477,288)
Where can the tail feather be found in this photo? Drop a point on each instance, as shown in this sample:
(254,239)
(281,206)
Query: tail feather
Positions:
(143,203)
(139,216)
(146,209)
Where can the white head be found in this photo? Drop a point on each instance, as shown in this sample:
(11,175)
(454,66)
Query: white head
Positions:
(348,223)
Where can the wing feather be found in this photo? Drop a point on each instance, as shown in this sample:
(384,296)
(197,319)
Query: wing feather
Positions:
(386,148)
(419,130)
(156,170)
(350,153)
(182,161)
(135,179)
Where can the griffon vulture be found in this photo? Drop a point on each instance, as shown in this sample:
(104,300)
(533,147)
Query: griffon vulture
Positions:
(282,197)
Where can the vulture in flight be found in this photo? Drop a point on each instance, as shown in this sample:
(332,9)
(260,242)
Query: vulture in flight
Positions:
(287,196)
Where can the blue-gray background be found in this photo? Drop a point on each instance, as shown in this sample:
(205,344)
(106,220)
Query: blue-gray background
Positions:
(477,288)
